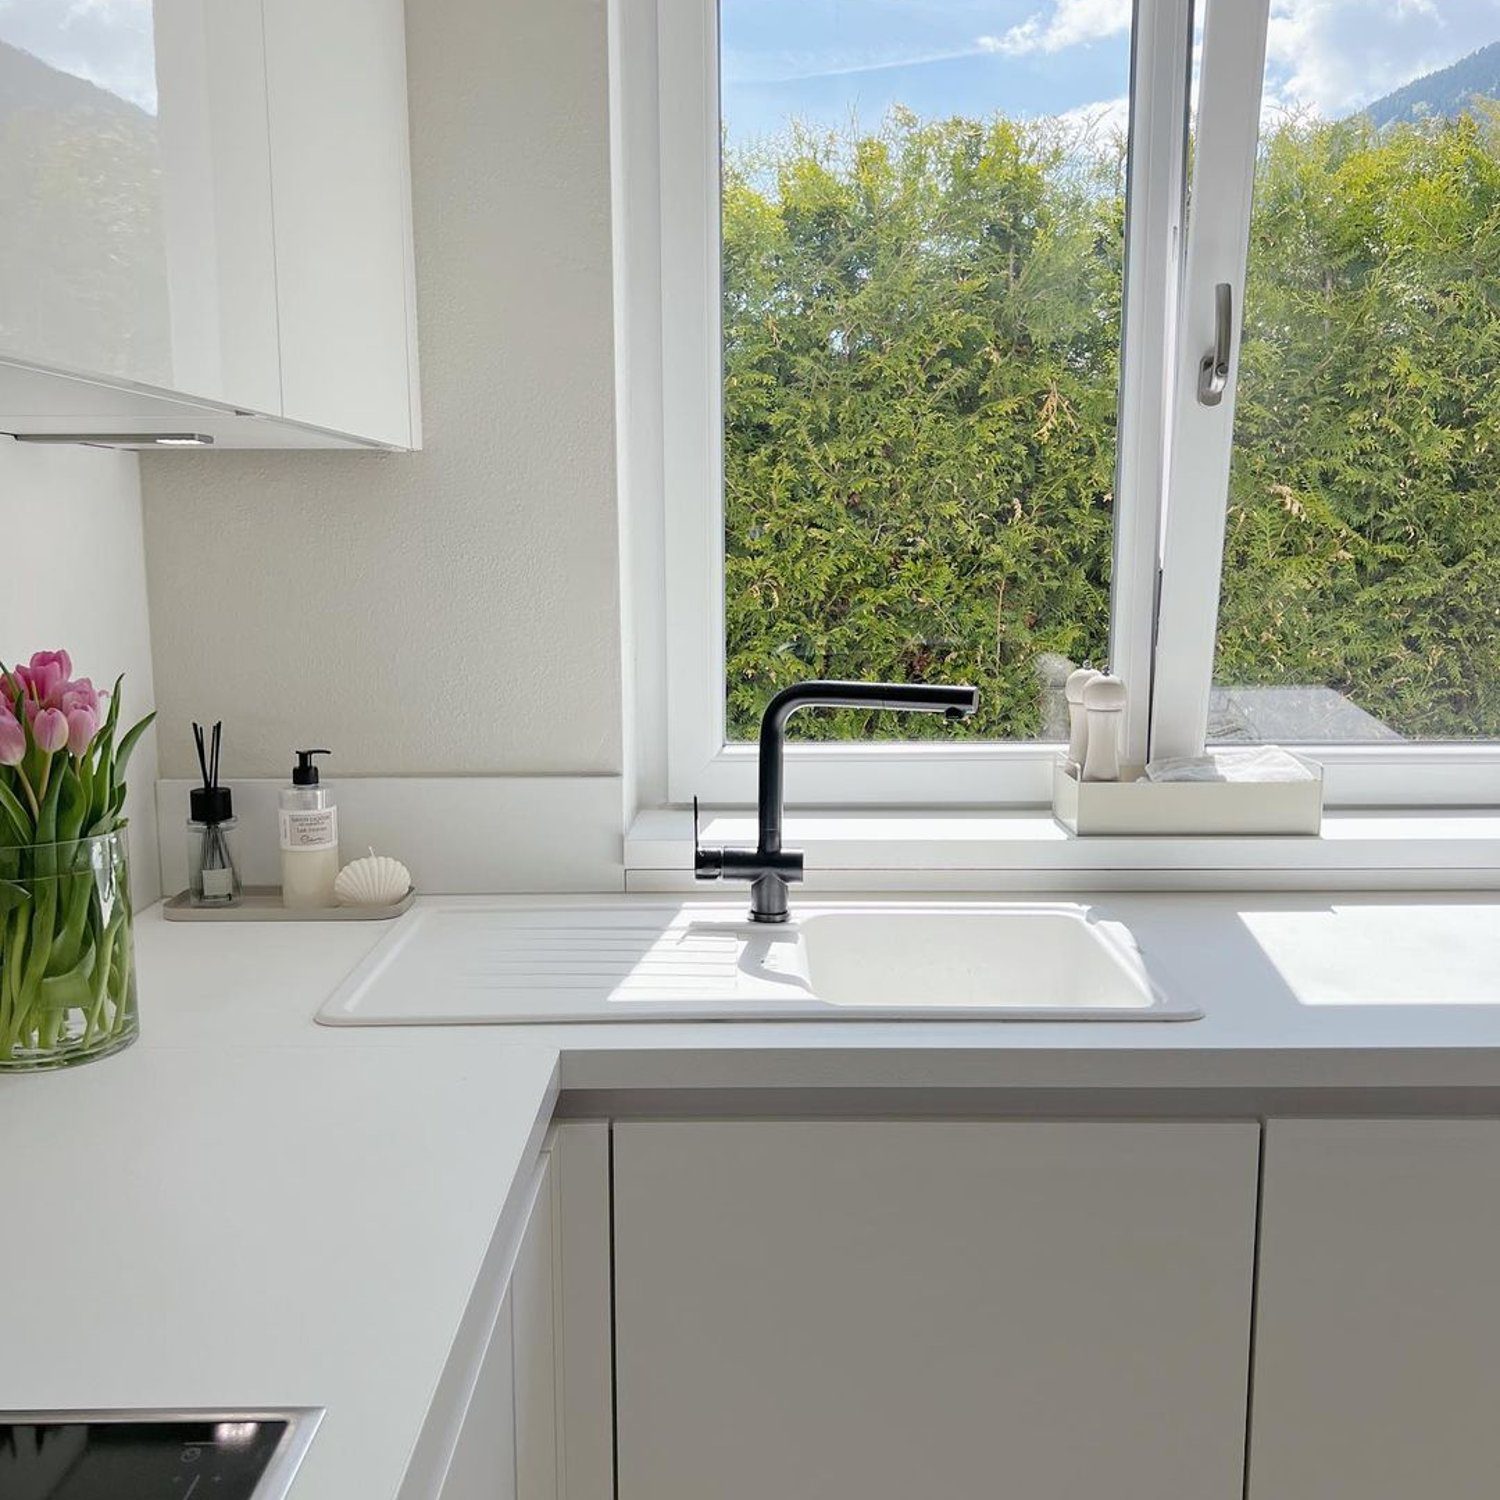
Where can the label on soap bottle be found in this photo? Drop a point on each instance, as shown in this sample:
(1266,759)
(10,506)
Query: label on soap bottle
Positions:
(309,828)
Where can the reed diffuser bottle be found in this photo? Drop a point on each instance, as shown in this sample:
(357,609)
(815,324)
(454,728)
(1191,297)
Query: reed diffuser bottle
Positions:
(213,873)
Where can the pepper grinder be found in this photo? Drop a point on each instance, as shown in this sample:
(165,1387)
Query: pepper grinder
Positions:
(1104,704)
(1078,724)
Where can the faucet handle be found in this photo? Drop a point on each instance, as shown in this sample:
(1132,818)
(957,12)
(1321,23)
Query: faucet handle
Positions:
(708,864)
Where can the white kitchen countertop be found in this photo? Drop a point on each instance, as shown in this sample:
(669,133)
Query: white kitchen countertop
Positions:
(246,1208)
(234,1213)
(1273,974)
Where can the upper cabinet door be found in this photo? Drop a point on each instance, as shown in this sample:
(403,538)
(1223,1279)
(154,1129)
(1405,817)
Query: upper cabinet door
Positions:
(135,196)
(336,74)
(205,221)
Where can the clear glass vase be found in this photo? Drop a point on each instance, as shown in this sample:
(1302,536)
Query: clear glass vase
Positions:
(67,953)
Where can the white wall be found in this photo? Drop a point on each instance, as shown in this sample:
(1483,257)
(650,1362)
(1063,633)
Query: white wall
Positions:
(74,578)
(453,611)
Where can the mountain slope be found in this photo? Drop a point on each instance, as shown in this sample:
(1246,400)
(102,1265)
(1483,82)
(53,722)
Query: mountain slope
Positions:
(26,82)
(1446,92)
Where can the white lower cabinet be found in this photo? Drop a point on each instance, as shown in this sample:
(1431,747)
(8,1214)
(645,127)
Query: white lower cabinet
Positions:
(506,1442)
(879,1310)
(483,1462)
(534,1348)
(525,1410)
(1377,1356)
(883,1310)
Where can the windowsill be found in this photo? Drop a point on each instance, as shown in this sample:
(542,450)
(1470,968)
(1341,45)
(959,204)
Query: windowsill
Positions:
(965,849)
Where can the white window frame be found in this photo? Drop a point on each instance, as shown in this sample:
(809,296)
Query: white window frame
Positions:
(1172,461)
(1417,774)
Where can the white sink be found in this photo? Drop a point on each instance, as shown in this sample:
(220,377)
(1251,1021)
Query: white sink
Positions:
(1047,959)
(452,962)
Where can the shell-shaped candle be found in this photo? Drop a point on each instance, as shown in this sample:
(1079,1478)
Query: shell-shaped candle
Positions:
(375,880)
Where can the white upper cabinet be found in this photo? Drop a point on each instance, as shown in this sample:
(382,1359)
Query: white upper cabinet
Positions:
(205,221)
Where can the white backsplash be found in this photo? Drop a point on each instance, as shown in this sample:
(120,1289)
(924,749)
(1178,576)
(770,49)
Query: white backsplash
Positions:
(459,835)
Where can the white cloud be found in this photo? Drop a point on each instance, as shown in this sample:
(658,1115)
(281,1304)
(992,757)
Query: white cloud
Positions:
(1326,56)
(1333,56)
(1100,121)
(1069,23)
(788,67)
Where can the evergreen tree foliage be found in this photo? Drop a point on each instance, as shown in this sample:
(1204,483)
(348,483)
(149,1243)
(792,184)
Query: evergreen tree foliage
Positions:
(922,337)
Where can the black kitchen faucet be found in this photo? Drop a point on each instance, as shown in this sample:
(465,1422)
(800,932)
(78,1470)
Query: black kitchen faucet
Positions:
(768,866)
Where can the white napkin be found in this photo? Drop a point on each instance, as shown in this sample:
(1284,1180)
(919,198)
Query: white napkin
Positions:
(1263,763)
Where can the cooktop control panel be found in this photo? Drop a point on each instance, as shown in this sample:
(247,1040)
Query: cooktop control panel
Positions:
(142,1455)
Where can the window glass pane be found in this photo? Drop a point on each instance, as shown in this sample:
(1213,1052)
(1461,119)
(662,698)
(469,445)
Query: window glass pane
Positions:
(1361,588)
(923,209)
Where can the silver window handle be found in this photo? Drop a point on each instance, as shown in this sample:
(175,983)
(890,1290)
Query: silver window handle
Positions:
(1213,373)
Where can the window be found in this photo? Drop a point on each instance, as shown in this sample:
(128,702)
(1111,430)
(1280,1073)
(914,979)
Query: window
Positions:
(921,340)
(934,292)
(1361,580)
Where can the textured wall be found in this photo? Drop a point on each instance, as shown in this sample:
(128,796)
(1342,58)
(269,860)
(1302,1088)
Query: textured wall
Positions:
(454,610)
(75,579)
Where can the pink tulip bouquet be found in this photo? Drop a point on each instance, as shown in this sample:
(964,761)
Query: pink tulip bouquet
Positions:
(67,983)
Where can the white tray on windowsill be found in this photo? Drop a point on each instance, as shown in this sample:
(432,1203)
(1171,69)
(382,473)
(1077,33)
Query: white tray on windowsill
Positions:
(1133,805)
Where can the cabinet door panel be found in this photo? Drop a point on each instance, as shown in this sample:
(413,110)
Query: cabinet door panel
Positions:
(135,238)
(343,216)
(1377,1354)
(483,1465)
(217,215)
(535,1349)
(856,1310)
(585,1375)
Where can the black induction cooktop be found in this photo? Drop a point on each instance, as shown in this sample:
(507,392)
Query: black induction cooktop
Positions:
(146,1455)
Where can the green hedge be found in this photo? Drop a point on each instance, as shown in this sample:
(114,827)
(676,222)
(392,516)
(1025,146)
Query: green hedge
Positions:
(921,360)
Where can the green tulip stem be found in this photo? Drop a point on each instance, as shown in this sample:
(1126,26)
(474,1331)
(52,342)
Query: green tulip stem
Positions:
(103,955)
(69,941)
(41,791)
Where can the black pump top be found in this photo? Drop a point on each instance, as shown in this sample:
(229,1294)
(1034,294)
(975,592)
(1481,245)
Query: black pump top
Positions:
(305,772)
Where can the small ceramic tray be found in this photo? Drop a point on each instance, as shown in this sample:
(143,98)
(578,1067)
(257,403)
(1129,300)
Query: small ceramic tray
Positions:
(262,903)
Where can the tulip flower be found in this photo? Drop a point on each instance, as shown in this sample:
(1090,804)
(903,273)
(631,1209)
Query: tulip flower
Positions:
(45,683)
(58,662)
(50,729)
(12,739)
(83,725)
(80,694)
(43,680)
(18,687)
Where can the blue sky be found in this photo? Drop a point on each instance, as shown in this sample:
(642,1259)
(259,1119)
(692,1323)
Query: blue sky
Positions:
(820,60)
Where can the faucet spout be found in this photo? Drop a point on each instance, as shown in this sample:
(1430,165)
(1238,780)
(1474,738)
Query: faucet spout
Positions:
(953,702)
(769,867)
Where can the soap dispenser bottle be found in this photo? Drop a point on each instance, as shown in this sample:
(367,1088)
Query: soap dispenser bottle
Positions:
(309,828)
